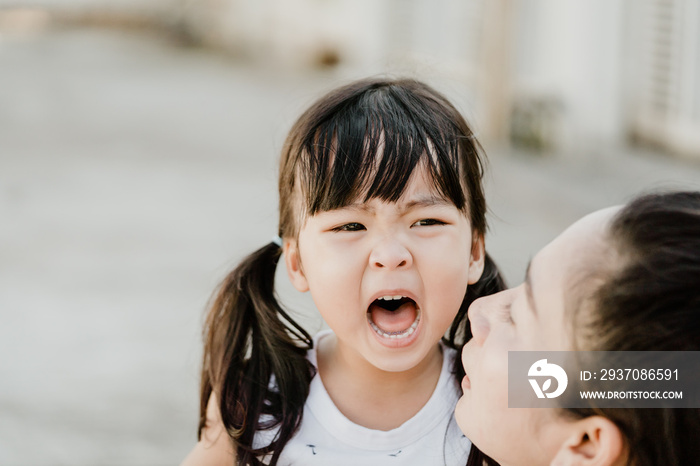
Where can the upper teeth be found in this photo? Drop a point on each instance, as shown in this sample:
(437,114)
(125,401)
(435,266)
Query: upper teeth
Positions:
(389,298)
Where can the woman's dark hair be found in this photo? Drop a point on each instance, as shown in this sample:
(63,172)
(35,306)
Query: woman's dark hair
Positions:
(359,142)
(650,301)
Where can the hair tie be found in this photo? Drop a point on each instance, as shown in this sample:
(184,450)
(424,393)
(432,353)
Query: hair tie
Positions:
(277,240)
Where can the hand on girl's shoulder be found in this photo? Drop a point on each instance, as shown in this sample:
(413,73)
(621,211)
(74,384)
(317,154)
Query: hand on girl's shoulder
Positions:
(214,447)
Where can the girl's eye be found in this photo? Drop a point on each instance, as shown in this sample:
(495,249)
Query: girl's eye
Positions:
(350,227)
(428,222)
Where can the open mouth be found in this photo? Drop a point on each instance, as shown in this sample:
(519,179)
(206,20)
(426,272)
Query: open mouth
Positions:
(393,317)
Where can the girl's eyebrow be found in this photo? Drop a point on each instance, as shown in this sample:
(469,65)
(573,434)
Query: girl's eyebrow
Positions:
(418,202)
(425,201)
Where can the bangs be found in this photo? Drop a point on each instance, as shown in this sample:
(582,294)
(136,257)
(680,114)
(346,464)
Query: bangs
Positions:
(370,146)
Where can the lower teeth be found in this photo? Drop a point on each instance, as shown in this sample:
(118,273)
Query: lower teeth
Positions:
(396,335)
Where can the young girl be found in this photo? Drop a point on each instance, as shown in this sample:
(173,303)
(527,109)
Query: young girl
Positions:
(617,280)
(382,219)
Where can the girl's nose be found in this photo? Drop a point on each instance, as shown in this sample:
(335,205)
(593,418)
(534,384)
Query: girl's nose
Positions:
(389,253)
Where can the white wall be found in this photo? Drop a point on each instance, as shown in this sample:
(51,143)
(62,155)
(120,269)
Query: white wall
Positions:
(441,41)
(571,52)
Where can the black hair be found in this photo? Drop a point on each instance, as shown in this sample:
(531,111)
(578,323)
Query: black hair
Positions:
(650,301)
(360,141)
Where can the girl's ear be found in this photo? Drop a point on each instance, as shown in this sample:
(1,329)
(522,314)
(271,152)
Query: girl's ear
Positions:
(476,260)
(594,441)
(293,263)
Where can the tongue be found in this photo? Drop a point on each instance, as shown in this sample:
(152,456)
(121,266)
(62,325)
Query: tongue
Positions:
(393,321)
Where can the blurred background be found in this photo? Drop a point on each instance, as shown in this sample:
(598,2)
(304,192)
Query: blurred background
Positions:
(138,151)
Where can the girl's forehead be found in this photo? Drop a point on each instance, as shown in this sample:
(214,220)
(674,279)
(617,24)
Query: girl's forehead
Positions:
(422,188)
(412,197)
(371,159)
(421,180)
(420,191)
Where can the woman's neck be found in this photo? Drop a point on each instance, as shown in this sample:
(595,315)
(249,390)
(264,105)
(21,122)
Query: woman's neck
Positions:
(372,397)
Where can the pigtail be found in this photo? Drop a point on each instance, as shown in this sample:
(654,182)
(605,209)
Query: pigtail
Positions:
(255,359)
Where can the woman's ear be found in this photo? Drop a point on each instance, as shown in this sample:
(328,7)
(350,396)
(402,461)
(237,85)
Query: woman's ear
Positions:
(293,263)
(476,259)
(594,441)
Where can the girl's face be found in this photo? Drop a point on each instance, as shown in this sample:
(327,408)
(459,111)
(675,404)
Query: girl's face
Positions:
(388,278)
(530,317)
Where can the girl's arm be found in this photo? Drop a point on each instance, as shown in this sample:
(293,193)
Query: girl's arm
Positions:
(214,447)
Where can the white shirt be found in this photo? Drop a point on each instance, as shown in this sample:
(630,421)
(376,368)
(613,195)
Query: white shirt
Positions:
(326,437)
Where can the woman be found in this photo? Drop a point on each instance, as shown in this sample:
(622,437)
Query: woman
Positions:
(618,280)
